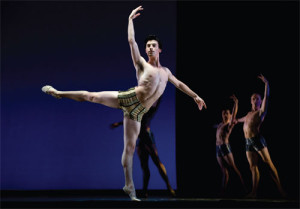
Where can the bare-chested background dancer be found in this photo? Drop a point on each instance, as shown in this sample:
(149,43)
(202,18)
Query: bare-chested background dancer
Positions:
(146,147)
(152,79)
(223,149)
(255,143)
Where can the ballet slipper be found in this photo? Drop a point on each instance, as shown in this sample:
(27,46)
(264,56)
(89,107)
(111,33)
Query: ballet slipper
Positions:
(131,193)
(46,89)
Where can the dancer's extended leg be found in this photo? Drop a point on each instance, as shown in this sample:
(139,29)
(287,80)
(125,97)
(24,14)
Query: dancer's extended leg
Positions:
(131,127)
(107,98)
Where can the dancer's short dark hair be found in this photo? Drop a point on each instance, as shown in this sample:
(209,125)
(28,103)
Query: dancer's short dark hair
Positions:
(153,37)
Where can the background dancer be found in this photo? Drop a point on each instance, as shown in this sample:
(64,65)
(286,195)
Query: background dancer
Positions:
(223,149)
(255,143)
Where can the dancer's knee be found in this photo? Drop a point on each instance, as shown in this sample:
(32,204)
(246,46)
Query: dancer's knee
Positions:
(129,148)
(156,160)
(144,165)
(267,161)
(253,168)
(225,171)
(88,96)
(127,154)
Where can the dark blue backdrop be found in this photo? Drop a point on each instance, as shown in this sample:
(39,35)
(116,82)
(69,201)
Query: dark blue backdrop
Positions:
(63,144)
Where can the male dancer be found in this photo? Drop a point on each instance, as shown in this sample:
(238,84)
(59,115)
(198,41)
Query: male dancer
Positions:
(223,149)
(152,79)
(255,143)
(145,147)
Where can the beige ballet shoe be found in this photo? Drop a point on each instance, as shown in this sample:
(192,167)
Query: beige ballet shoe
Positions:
(46,89)
(131,193)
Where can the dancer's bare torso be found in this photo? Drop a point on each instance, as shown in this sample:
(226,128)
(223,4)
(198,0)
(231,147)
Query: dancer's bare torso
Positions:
(222,134)
(252,124)
(152,82)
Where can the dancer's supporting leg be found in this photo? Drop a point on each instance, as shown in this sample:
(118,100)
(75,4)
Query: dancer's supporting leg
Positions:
(253,164)
(131,131)
(225,174)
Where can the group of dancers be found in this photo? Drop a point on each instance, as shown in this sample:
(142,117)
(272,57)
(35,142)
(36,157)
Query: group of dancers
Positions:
(256,146)
(140,103)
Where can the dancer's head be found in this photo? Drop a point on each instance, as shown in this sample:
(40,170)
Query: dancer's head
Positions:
(153,45)
(226,115)
(155,38)
(255,100)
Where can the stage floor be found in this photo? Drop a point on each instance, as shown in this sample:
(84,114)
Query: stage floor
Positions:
(122,201)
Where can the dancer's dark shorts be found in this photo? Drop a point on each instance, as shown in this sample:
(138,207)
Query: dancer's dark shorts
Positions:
(256,143)
(130,105)
(222,150)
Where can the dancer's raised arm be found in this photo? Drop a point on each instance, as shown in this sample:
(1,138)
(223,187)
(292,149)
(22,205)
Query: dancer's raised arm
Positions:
(135,53)
(264,104)
(234,109)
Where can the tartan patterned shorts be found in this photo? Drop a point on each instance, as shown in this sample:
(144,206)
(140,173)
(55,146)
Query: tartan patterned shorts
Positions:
(130,105)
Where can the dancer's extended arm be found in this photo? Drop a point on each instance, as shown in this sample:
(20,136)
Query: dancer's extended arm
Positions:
(184,88)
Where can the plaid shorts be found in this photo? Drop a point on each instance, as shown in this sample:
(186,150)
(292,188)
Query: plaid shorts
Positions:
(131,105)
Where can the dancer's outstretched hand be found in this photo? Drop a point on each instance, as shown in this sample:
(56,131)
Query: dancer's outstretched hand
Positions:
(134,13)
(233,97)
(200,102)
(261,77)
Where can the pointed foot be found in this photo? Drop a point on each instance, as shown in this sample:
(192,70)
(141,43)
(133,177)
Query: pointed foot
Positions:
(131,193)
(51,91)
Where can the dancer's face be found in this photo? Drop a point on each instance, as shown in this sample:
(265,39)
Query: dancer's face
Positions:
(226,115)
(152,49)
(256,100)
